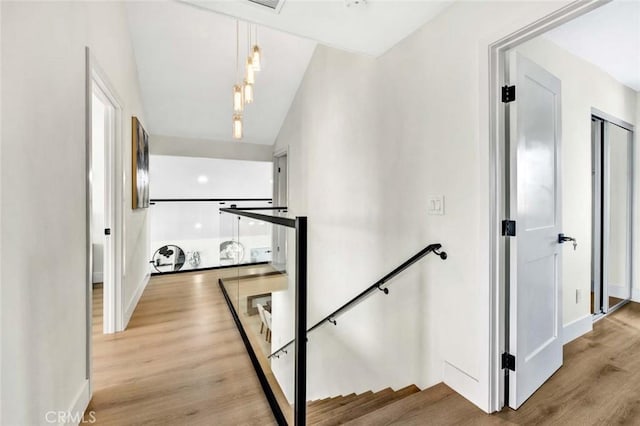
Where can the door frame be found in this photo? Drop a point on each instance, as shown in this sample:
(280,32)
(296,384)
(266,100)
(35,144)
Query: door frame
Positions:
(498,255)
(284,152)
(278,233)
(112,305)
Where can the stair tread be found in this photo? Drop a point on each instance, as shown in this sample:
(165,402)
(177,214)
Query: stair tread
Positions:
(357,399)
(348,412)
(330,402)
(431,403)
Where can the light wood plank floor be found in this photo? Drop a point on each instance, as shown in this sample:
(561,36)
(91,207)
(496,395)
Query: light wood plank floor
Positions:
(599,384)
(181,361)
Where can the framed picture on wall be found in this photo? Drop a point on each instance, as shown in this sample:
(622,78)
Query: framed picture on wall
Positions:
(140,165)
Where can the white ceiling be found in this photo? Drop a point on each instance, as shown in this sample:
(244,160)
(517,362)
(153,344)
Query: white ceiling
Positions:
(608,37)
(371,28)
(186,60)
(185,53)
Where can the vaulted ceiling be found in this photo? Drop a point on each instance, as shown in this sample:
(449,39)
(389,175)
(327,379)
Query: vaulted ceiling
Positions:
(186,56)
(186,61)
(608,37)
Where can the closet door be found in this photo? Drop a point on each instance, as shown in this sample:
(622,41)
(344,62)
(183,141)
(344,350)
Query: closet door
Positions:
(617,214)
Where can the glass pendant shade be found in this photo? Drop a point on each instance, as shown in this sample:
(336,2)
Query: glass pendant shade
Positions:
(248,92)
(237,126)
(250,76)
(238,101)
(256,56)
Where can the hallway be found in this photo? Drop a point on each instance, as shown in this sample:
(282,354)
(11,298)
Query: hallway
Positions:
(180,361)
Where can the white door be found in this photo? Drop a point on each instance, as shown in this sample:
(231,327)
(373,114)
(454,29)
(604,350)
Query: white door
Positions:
(535,299)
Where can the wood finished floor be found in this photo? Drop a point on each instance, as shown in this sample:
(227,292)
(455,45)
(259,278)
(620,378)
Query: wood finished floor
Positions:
(181,361)
(599,383)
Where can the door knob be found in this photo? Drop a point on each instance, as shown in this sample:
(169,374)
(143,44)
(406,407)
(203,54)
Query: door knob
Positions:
(563,239)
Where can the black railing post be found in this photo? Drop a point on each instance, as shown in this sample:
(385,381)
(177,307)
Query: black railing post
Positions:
(300,401)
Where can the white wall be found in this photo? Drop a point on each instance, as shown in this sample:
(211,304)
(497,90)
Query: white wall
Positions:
(370,140)
(43,209)
(187,147)
(199,226)
(178,177)
(584,86)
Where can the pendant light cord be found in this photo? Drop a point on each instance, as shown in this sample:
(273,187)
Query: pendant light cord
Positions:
(237,49)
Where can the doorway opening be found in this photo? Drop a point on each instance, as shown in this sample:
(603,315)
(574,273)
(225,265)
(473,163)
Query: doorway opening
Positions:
(104,202)
(612,189)
(524,162)
(280,199)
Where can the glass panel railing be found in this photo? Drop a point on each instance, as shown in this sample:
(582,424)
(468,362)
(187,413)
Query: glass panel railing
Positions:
(264,295)
(186,235)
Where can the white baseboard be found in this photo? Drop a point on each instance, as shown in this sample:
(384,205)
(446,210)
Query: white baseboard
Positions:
(134,301)
(635,295)
(577,328)
(98,277)
(619,291)
(79,404)
(466,385)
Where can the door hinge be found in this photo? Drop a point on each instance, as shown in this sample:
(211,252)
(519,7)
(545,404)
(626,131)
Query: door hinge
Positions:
(107,231)
(509,228)
(278,169)
(508,94)
(508,361)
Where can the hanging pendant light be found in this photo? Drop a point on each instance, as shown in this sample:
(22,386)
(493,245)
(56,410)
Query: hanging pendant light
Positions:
(248,92)
(256,54)
(238,101)
(237,126)
(255,57)
(250,74)
(238,93)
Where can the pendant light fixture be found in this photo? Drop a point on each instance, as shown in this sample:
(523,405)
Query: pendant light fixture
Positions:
(238,104)
(238,95)
(248,92)
(237,126)
(256,54)
(249,74)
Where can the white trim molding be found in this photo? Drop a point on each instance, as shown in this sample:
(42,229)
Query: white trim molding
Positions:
(465,384)
(133,303)
(577,328)
(635,294)
(79,405)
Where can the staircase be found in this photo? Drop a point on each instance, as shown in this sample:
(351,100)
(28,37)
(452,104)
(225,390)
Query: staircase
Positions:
(388,406)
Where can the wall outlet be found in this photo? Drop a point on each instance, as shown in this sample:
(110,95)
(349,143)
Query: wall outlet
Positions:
(435,205)
(578,295)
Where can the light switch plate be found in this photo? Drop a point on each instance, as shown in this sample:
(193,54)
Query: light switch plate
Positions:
(435,205)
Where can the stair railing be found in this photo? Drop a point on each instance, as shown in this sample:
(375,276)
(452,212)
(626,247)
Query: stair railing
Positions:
(331,318)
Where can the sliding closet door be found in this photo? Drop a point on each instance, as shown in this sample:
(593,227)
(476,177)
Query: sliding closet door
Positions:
(617,214)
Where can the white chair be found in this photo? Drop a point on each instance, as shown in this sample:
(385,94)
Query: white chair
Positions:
(261,312)
(267,320)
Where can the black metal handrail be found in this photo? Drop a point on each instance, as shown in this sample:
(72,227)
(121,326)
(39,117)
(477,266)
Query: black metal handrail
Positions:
(331,318)
(200,200)
(278,220)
